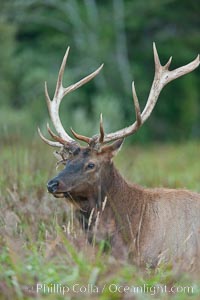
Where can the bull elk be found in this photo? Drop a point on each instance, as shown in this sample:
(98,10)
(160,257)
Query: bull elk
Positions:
(151,225)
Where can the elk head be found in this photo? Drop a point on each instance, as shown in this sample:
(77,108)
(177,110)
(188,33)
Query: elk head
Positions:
(86,174)
(88,170)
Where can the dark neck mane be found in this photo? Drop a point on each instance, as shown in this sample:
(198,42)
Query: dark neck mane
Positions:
(115,204)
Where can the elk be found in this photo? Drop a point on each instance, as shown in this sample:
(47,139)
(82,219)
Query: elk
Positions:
(150,225)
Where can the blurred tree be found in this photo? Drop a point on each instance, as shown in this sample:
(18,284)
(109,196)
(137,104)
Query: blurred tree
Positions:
(7,62)
(35,34)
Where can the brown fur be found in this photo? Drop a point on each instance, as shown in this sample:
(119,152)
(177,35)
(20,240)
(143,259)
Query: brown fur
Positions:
(149,225)
(152,225)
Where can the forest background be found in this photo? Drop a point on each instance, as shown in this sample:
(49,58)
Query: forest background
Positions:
(38,230)
(34,35)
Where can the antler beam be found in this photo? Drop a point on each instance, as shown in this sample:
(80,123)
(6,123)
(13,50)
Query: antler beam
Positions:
(53,105)
(161,78)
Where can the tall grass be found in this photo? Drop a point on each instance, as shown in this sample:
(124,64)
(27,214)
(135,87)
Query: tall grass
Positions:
(42,246)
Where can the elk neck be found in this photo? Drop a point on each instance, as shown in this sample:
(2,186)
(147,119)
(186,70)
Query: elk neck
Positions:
(123,204)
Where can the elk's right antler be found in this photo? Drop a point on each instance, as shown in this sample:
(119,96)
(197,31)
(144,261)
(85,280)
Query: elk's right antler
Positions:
(53,106)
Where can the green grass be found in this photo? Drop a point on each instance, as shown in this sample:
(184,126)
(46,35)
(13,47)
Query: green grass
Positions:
(41,242)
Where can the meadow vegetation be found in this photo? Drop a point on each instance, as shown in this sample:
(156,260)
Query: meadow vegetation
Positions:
(41,242)
(34,35)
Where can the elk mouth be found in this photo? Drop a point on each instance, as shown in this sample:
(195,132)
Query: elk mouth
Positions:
(67,195)
(61,194)
(57,189)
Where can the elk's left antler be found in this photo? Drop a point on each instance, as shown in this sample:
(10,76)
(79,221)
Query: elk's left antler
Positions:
(161,78)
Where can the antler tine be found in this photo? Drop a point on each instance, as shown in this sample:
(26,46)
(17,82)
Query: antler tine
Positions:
(81,137)
(137,105)
(60,92)
(53,105)
(156,58)
(55,137)
(167,65)
(161,78)
(59,85)
(83,81)
(50,143)
(95,138)
(101,137)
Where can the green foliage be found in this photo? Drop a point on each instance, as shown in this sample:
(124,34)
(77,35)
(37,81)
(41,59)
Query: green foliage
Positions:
(176,166)
(7,62)
(40,241)
(34,35)
(16,124)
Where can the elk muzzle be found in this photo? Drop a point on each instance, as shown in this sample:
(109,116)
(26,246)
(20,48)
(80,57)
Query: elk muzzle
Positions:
(52,186)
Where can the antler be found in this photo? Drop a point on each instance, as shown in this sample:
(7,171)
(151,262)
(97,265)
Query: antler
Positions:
(161,78)
(53,105)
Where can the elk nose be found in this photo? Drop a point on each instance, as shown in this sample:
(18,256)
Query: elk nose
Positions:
(52,186)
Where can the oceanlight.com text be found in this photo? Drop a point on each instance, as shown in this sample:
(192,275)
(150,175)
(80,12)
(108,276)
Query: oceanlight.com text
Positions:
(78,288)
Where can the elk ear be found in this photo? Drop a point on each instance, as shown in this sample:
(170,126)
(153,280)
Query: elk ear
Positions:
(113,148)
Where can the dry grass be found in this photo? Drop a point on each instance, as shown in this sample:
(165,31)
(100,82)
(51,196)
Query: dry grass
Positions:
(40,241)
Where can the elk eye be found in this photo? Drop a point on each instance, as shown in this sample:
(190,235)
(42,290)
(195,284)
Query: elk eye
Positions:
(91,165)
